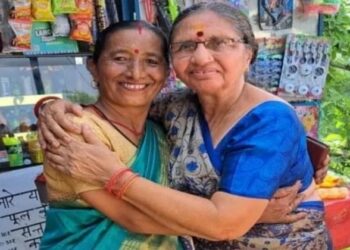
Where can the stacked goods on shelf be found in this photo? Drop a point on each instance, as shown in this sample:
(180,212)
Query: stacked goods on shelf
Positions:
(333,188)
(37,27)
(265,72)
(15,25)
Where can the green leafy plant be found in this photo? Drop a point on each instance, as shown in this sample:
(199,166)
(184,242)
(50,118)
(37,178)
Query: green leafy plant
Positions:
(335,108)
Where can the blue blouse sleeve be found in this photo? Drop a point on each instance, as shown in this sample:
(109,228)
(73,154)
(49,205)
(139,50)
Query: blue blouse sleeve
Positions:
(261,151)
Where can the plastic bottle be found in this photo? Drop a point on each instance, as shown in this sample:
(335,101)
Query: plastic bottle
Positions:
(34,149)
(14,150)
(4,160)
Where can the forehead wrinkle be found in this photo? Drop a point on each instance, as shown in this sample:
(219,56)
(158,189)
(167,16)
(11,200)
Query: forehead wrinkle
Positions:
(120,50)
(131,51)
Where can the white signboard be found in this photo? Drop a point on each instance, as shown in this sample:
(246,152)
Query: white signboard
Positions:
(22,216)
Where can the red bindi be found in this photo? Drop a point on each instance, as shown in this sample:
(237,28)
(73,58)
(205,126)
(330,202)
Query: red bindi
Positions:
(200,33)
(136,51)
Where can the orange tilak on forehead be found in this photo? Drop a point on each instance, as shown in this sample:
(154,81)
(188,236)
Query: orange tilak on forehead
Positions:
(134,48)
(198,29)
(139,28)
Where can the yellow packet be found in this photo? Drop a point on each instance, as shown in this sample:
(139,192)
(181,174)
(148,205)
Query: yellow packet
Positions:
(85,9)
(41,11)
(63,7)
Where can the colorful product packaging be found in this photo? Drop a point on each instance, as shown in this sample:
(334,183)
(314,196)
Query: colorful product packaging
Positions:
(42,11)
(14,150)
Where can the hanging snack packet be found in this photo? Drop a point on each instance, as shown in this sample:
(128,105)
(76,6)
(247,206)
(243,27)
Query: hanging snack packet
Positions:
(85,9)
(20,9)
(82,21)
(22,34)
(63,7)
(41,11)
(81,30)
(0,42)
(101,15)
(60,28)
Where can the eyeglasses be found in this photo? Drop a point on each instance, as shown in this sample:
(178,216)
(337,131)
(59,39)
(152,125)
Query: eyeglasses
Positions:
(214,44)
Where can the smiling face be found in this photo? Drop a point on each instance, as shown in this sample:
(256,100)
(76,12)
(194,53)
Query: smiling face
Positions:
(131,68)
(208,71)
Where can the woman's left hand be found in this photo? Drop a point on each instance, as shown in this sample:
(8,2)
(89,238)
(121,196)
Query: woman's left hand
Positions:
(280,207)
(89,161)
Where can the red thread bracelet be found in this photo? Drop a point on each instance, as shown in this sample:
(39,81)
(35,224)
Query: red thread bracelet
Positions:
(125,185)
(41,102)
(114,178)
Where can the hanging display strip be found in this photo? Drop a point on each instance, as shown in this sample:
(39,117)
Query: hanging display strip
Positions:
(305,67)
(266,70)
(275,15)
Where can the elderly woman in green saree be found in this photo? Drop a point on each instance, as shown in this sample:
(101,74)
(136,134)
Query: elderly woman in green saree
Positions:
(128,76)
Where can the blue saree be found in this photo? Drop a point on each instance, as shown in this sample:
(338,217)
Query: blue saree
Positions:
(262,152)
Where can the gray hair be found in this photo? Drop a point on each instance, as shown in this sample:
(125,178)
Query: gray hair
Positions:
(238,19)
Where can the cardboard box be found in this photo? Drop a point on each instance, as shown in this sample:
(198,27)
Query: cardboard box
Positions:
(337,218)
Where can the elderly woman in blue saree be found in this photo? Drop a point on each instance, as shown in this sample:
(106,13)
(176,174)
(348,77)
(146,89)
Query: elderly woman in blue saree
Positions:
(232,146)
(77,217)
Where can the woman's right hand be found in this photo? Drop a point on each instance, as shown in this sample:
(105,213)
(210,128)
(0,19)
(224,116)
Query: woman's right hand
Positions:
(54,122)
(89,160)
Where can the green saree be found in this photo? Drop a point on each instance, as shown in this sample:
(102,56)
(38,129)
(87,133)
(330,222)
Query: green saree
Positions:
(71,226)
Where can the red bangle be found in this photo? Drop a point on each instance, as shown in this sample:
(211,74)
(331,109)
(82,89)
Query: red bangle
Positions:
(127,183)
(114,178)
(41,102)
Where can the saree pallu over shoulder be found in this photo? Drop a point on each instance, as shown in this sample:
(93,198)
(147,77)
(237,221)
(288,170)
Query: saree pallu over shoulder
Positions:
(74,227)
(193,171)
(190,168)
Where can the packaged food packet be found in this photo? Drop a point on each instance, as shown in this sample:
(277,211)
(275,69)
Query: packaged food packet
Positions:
(81,30)
(61,27)
(41,11)
(85,9)
(101,15)
(20,9)
(82,21)
(22,34)
(63,7)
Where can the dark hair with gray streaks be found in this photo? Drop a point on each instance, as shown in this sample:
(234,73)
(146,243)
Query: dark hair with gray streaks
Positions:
(238,19)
